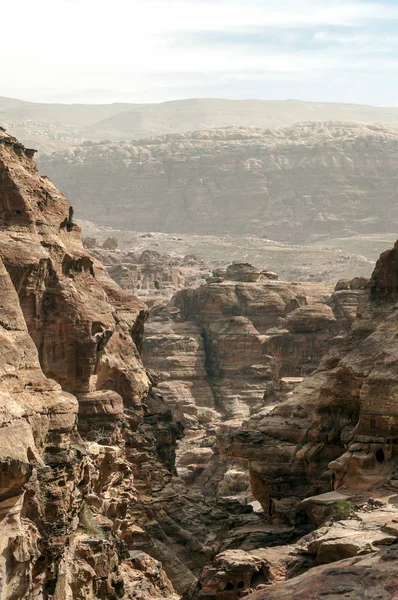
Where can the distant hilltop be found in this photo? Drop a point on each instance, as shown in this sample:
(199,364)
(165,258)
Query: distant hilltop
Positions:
(50,127)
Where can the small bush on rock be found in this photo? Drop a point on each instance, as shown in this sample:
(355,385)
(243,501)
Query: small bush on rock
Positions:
(238,309)
(205,415)
(344,509)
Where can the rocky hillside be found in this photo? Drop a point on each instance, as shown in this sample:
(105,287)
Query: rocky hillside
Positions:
(49,127)
(232,348)
(304,183)
(149,274)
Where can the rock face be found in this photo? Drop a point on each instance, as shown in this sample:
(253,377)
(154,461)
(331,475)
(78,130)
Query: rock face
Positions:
(233,348)
(149,274)
(338,429)
(63,529)
(290,570)
(255,333)
(373,576)
(327,456)
(175,353)
(306,182)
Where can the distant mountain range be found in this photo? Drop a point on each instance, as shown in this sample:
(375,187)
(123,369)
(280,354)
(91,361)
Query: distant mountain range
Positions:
(50,127)
(309,182)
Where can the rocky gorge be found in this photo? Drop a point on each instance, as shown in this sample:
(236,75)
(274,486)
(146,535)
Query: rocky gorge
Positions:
(288,385)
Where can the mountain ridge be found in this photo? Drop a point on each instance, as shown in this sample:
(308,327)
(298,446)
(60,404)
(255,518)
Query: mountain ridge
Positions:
(294,185)
(52,126)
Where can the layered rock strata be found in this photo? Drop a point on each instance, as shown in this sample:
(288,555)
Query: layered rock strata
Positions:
(236,347)
(326,458)
(257,332)
(338,429)
(67,329)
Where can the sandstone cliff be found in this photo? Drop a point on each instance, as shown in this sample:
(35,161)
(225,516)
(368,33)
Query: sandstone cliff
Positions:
(326,456)
(338,430)
(67,329)
(308,181)
(235,347)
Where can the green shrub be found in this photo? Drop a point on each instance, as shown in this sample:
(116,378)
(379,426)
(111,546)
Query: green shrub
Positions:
(344,509)
(238,309)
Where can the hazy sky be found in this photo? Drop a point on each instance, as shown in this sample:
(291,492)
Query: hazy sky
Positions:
(155,50)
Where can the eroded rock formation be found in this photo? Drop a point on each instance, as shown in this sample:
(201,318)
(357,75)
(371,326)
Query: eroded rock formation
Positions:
(232,348)
(149,274)
(90,504)
(256,331)
(338,429)
(326,457)
(64,320)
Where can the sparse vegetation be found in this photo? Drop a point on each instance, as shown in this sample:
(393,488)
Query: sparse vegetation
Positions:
(344,509)
(238,309)
(205,415)
(89,525)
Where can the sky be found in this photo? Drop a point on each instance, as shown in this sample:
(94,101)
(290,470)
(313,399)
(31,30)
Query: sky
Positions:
(97,51)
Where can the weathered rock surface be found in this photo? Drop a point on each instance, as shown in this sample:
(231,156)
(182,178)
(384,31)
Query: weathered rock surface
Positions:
(338,429)
(366,526)
(221,352)
(373,576)
(257,333)
(309,181)
(149,274)
(62,522)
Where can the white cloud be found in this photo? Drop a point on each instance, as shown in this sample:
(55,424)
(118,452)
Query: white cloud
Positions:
(127,47)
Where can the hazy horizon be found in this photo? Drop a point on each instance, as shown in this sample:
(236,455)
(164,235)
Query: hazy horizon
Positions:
(150,51)
(187,99)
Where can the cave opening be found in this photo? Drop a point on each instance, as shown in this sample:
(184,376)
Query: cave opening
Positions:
(380,455)
(258,578)
(229,586)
